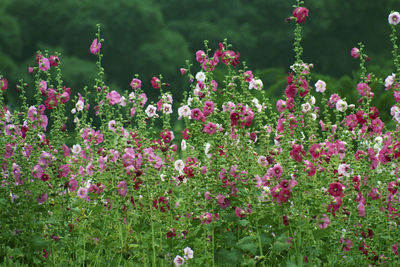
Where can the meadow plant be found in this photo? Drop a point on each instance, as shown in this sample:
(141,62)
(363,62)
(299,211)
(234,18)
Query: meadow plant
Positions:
(308,180)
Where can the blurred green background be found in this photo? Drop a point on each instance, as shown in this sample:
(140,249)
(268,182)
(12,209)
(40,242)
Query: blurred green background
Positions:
(156,37)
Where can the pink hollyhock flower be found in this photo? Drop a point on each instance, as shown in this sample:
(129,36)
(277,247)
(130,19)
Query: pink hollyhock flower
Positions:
(155,83)
(333,100)
(276,171)
(248,76)
(389,81)
(341,105)
(323,222)
(345,170)
(44,64)
(210,128)
(395,249)
(315,151)
(320,86)
(122,188)
(284,195)
(54,60)
(196,114)
(222,201)
(183,71)
(83,192)
(208,108)
(114,97)
(200,56)
(309,168)
(151,111)
(355,52)
(256,84)
(240,213)
(179,261)
(348,244)
(361,209)
(185,134)
(73,185)
(291,91)
(95,47)
(300,13)
(280,105)
(136,84)
(3,84)
(363,89)
(336,189)
(111,126)
(394,18)
(285,220)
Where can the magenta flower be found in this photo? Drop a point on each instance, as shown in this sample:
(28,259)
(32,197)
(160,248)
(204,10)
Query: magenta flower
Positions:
(122,188)
(355,52)
(95,47)
(210,128)
(155,83)
(336,189)
(240,213)
(363,89)
(44,64)
(114,97)
(208,108)
(83,193)
(3,84)
(222,201)
(300,13)
(136,84)
(42,198)
(200,56)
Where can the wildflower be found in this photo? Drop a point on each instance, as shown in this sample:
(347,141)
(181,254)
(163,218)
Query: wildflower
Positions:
(136,84)
(320,86)
(394,18)
(300,13)
(179,261)
(95,47)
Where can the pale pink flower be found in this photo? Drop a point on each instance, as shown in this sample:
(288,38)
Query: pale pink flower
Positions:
(83,192)
(256,84)
(121,188)
(179,261)
(184,111)
(44,64)
(394,18)
(188,253)
(113,97)
(111,126)
(320,86)
(167,108)
(341,105)
(345,170)
(151,111)
(42,198)
(323,222)
(179,165)
(136,84)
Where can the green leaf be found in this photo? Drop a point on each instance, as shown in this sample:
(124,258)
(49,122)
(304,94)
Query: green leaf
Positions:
(248,244)
(228,257)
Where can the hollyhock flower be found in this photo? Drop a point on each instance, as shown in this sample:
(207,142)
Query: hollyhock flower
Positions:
(44,64)
(113,97)
(151,111)
(335,189)
(394,18)
(183,145)
(355,52)
(208,108)
(183,71)
(83,192)
(389,81)
(54,60)
(323,222)
(256,84)
(95,47)
(291,91)
(136,84)
(284,195)
(179,261)
(240,213)
(280,105)
(122,188)
(341,105)
(200,56)
(248,76)
(345,170)
(309,168)
(179,165)
(395,249)
(210,128)
(111,126)
(300,13)
(306,107)
(188,253)
(222,201)
(333,100)
(184,111)
(363,89)
(167,108)
(320,86)
(348,244)
(155,83)
(76,149)
(3,84)
(297,153)
(196,114)
(200,76)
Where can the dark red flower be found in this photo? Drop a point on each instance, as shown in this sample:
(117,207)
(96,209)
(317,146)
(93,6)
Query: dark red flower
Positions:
(300,14)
